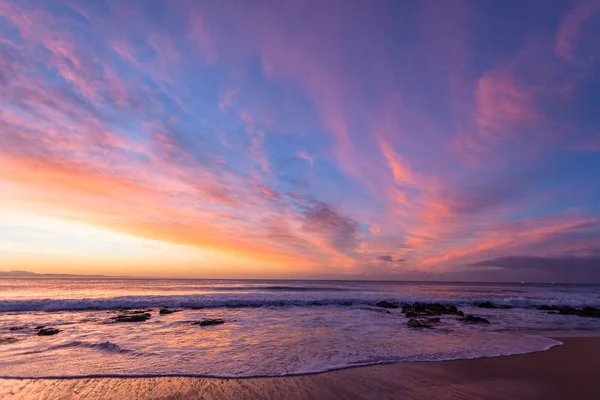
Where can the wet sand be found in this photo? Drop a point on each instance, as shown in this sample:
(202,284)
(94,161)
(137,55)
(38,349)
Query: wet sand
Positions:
(571,371)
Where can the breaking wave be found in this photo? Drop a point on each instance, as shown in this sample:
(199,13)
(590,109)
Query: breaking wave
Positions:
(266,300)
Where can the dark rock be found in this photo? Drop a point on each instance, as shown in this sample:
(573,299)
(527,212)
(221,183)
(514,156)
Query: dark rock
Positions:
(48,331)
(568,310)
(16,328)
(489,304)
(39,327)
(417,323)
(135,317)
(387,304)
(471,319)
(545,307)
(451,310)
(429,309)
(165,311)
(208,322)
(589,312)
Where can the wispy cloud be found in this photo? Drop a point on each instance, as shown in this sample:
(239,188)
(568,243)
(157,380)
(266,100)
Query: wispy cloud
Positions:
(572,27)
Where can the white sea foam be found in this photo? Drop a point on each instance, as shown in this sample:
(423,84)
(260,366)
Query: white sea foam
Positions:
(107,346)
(215,300)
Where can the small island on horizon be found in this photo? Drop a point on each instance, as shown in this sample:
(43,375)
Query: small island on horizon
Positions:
(28,274)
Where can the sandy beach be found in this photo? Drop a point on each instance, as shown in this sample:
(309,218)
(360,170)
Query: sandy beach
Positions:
(569,371)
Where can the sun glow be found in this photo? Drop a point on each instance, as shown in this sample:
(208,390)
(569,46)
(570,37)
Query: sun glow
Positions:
(49,244)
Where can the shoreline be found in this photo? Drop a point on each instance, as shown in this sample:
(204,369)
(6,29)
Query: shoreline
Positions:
(565,334)
(564,371)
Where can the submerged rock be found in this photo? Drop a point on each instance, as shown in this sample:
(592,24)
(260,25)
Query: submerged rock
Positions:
(589,312)
(429,309)
(489,304)
(16,328)
(387,304)
(207,322)
(417,323)
(471,319)
(568,310)
(165,311)
(545,307)
(133,317)
(48,331)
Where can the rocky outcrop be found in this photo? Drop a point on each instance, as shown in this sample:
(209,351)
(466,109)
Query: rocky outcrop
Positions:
(208,322)
(387,304)
(471,319)
(133,316)
(166,311)
(588,312)
(489,304)
(48,331)
(430,309)
(568,310)
(418,323)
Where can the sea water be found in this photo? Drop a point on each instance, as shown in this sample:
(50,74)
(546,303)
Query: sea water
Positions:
(272,328)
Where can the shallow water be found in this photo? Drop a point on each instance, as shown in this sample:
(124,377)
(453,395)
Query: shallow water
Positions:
(272,328)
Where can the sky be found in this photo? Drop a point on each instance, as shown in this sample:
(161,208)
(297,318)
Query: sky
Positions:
(301,139)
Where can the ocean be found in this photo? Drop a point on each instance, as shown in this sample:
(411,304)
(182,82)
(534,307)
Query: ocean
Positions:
(271,328)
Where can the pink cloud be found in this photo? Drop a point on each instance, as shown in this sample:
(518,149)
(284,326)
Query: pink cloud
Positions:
(200,35)
(571,28)
(401,172)
(591,144)
(502,104)
(227,99)
(304,155)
